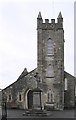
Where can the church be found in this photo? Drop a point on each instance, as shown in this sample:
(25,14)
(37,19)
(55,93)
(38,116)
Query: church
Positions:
(48,86)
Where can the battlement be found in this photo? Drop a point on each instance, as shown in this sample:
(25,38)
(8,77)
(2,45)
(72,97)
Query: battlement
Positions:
(47,21)
(53,21)
(50,24)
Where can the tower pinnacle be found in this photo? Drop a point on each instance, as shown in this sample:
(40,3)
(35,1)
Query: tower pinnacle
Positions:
(39,15)
(60,15)
(60,19)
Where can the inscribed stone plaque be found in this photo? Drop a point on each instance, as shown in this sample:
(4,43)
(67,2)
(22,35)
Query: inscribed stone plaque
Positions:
(36,99)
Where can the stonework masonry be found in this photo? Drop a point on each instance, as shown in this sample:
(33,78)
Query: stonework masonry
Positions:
(54,32)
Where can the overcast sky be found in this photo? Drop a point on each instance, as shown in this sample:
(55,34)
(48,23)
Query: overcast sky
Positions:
(18,35)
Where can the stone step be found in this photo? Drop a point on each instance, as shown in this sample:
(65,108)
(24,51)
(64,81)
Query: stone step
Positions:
(35,113)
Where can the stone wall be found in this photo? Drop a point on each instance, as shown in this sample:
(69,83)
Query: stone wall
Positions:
(70,92)
(28,82)
(21,86)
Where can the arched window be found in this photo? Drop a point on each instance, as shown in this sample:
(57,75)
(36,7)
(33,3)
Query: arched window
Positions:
(50,71)
(50,96)
(10,97)
(20,98)
(50,47)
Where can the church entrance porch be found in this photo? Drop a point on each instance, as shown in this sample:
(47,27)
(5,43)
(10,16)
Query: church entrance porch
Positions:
(33,99)
(34,103)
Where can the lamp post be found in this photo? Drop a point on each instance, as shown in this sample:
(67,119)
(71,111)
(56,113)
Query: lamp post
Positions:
(4,107)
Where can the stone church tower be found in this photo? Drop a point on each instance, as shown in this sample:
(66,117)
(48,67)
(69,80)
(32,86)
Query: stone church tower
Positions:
(50,59)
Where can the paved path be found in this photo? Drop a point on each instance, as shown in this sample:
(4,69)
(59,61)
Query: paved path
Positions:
(54,114)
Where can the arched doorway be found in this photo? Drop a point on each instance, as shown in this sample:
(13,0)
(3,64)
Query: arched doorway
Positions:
(30,99)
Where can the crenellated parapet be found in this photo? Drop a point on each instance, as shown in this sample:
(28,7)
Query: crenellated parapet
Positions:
(49,25)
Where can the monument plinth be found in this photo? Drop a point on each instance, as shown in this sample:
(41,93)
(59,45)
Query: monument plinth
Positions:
(37,102)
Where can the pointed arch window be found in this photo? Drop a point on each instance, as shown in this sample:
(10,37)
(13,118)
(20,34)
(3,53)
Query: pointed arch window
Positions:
(50,47)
